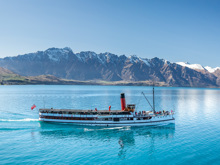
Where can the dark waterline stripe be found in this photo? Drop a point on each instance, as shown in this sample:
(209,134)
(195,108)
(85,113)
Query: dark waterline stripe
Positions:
(111,123)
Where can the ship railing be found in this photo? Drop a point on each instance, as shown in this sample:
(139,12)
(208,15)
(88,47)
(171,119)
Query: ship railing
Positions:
(148,115)
(142,115)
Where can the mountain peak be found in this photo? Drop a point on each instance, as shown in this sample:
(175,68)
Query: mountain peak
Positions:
(212,70)
(67,48)
(191,66)
(54,50)
(55,54)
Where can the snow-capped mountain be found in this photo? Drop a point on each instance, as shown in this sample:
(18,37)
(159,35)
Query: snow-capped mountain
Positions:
(198,67)
(88,65)
(191,66)
(212,70)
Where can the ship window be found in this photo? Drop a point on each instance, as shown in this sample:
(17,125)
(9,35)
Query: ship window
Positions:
(116,119)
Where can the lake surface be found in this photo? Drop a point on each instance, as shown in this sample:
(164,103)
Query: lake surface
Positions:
(193,139)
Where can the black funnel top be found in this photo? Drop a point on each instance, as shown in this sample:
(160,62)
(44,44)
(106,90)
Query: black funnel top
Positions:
(122,95)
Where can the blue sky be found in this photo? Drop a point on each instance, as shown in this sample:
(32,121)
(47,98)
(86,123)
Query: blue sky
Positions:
(176,30)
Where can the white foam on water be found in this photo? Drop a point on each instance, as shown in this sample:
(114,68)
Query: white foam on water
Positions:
(109,128)
(27,119)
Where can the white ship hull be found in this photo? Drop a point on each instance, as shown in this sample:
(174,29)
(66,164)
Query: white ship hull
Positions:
(157,120)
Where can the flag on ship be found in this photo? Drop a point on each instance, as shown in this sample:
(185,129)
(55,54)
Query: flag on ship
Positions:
(33,106)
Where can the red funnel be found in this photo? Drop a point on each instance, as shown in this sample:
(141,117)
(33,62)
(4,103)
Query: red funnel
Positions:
(123,102)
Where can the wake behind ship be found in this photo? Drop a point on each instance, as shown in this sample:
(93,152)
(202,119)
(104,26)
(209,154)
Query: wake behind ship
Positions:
(127,116)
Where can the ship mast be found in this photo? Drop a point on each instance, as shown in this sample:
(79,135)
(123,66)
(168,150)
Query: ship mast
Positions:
(153,100)
(153,107)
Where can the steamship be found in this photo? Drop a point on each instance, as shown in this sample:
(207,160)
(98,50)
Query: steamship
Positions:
(127,116)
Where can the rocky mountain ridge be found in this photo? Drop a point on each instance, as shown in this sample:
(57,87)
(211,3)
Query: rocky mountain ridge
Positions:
(87,65)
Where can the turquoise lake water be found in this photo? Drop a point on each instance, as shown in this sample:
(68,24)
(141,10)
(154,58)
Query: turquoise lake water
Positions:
(193,139)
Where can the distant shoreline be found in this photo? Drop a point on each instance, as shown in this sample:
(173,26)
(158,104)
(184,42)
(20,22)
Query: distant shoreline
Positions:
(37,81)
(76,82)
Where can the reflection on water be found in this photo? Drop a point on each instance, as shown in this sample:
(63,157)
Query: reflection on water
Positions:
(125,136)
(55,130)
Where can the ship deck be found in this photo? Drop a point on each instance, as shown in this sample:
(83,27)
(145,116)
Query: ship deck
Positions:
(82,111)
